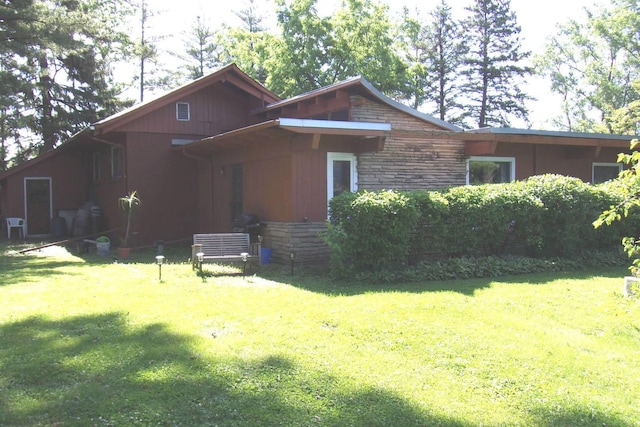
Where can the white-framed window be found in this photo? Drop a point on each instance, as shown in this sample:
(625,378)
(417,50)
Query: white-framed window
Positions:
(342,174)
(487,170)
(182,111)
(96,167)
(602,172)
(117,161)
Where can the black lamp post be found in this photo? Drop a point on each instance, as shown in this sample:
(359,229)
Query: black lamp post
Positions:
(160,260)
(293,257)
(245,257)
(200,256)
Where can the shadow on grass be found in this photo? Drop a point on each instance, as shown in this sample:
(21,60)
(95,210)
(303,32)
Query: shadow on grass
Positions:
(319,282)
(99,370)
(26,268)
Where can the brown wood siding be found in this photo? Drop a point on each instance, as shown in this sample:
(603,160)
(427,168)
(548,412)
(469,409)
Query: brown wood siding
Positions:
(167,184)
(555,159)
(266,168)
(309,186)
(409,161)
(216,109)
(69,172)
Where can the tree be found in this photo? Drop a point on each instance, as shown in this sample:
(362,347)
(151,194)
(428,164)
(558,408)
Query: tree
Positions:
(299,61)
(250,46)
(316,51)
(494,65)
(592,65)
(363,42)
(251,18)
(434,53)
(625,120)
(201,50)
(56,59)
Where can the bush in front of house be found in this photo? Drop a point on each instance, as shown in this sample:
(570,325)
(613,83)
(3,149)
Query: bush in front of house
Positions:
(370,230)
(548,216)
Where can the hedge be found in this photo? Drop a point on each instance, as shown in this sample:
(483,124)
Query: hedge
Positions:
(544,216)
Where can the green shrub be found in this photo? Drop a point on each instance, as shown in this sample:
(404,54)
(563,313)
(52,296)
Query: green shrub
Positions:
(548,216)
(370,230)
(571,207)
(432,227)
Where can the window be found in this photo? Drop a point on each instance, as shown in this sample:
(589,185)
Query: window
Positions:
(341,174)
(485,170)
(117,158)
(602,172)
(182,111)
(97,167)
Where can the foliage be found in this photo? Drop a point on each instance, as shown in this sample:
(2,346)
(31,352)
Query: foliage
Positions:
(464,267)
(592,64)
(129,205)
(627,184)
(315,51)
(433,53)
(547,216)
(56,69)
(372,233)
(494,69)
(201,52)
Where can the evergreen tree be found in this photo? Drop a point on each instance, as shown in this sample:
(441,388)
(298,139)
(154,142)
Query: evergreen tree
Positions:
(201,50)
(494,65)
(55,69)
(251,18)
(434,53)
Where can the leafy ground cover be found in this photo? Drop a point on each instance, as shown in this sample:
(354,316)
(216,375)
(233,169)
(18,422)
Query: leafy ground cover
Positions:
(88,341)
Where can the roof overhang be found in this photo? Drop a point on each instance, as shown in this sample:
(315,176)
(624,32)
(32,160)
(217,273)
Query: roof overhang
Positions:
(484,141)
(372,134)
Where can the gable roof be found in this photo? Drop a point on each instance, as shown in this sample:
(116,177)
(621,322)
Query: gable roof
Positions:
(229,74)
(364,87)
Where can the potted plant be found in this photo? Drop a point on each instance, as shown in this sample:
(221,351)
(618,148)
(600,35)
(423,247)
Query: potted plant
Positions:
(129,204)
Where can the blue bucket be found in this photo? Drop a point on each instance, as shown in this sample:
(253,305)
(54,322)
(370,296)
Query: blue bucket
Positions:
(265,254)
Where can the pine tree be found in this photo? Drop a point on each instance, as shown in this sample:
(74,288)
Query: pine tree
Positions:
(55,69)
(494,65)
(201,50)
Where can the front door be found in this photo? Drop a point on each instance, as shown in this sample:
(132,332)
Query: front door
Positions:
(37,195)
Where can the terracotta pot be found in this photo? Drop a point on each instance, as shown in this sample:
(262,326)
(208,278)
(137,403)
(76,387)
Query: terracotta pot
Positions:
(124,252)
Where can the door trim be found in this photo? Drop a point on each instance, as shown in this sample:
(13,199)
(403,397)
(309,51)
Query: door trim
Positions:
(26,213)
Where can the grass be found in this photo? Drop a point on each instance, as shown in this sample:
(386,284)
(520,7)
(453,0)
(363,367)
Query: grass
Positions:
(86,341)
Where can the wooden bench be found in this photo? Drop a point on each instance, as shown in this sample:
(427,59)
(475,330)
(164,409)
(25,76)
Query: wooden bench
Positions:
(223,248)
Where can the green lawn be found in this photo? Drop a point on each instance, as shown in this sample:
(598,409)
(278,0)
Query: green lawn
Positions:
(85,341)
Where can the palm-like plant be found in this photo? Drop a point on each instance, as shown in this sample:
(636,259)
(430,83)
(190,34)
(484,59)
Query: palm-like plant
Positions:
(128,204)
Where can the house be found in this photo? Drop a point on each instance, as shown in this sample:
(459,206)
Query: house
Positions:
(223,145)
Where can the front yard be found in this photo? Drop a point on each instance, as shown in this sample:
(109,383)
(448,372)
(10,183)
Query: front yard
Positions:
(86,341)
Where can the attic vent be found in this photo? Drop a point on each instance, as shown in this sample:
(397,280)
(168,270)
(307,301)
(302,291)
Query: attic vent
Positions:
(182,111)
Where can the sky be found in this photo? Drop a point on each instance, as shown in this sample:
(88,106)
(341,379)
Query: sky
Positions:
(537,18)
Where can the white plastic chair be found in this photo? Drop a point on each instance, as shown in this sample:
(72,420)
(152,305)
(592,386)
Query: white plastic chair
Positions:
(16,223)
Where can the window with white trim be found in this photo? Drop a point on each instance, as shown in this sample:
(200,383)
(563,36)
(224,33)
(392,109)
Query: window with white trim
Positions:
(342,174)
(490,170)
(602,172)
(97,167)
(117,161)
(182,111)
